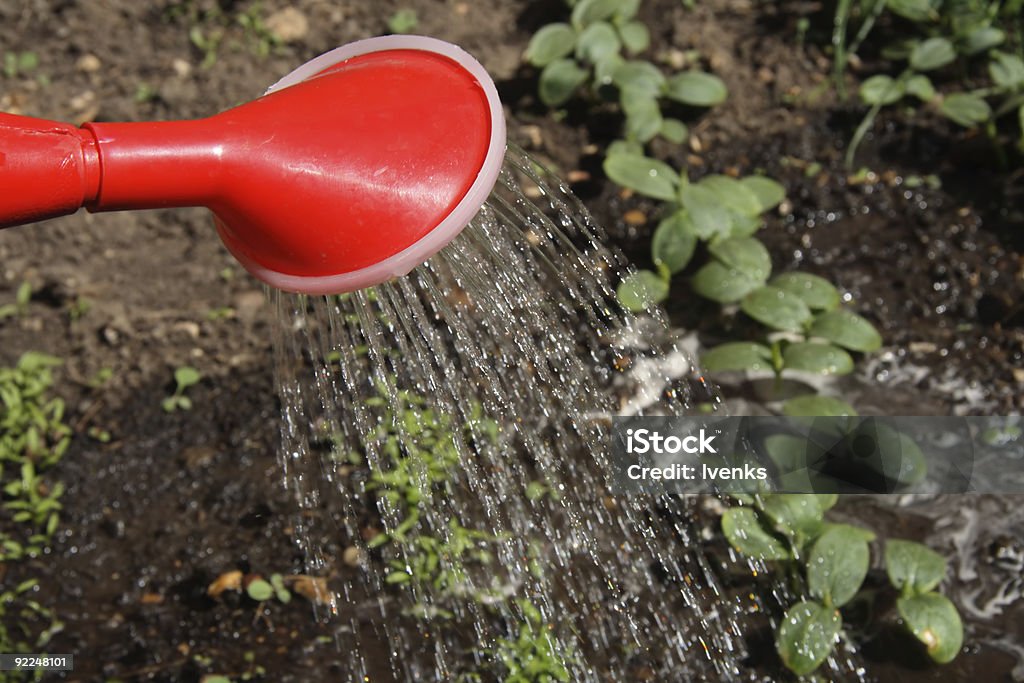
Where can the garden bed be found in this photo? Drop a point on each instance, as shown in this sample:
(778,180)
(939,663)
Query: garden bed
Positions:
(160,504)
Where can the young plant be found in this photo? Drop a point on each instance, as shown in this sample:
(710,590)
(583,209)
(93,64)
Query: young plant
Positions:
(403,21)
(805,328)
(19,63)
(829,562)
(33,440)
(184,377)
(21,301)
(954,32)
(534,655)
(597,49)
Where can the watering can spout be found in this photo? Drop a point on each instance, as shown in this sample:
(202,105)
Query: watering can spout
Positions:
(355,168)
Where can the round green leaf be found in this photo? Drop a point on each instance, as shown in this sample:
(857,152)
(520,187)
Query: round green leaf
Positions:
(798,515)
(674,130)
(721,283)
(913,567)
(638,79)
(742,225)
(934,621)
(776,308)
(807,635)
(215,679)
(597,42)
(914,10)
(931,54)
(643,118)
(982,39)
(881,89)
(642,174)
(966,109)
(604,70)
(674,242)
(708,216)
(733,193)
(837,565)
(824,359)
(744,532)
(745,254)
(920,86)
(551,42)
(559,80)
(641,290)
(588,11)
(625,147)
(186,377)
(737,356)
(813,405)
(635,36)
(848,330)
(817,292)
(768,192)
(1007,71)
(260,590)
(697,88)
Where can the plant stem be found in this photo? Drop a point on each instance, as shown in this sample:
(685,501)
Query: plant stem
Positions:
(869,119)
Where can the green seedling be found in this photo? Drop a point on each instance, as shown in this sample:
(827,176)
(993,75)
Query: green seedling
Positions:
(261,39)
(597,49)
(184,377)
(78,308)
(19,63)
(33,439)
(403,21)
(208,42)
(19,308)
(261,590)
(533,655)
(951,33)
(724,213)
(831,561)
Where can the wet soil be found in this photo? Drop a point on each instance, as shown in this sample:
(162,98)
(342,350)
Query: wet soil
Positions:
(175,500)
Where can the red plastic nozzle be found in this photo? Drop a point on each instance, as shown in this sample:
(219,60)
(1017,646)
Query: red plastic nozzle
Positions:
(354,169)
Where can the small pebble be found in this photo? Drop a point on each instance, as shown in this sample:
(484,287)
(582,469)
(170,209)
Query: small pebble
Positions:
(89,64)
(288,25)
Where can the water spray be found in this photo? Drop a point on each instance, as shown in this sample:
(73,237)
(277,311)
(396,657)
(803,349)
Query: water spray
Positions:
(353,169)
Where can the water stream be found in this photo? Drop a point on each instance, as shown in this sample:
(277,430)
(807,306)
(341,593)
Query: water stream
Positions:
(446,433)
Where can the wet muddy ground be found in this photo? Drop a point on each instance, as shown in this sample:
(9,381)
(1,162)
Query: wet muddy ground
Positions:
(175,500)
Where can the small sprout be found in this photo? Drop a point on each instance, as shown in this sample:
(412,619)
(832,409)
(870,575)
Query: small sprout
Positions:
(184,377)
(403,21)
(259,590)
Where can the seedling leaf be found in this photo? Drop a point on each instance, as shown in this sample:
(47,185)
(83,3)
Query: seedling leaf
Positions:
(837,564)
(807,635)
(824,359)
(776,308)
(737,356)
(559,80)
(848,330)
(697,88)
(934,621)
(641,290)
(817,292)
(744,532)
(642,174)
(913,567)
(551,42)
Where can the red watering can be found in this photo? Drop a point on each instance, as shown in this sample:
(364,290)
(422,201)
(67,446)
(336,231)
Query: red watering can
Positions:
(353,169)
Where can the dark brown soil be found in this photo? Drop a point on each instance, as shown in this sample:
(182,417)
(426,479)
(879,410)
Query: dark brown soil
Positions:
(176,499)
